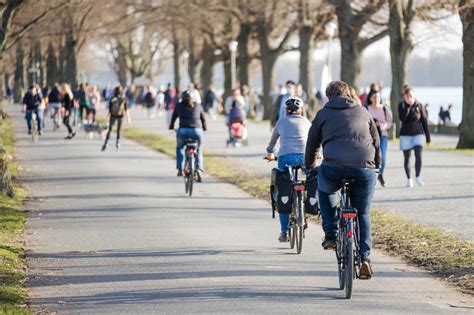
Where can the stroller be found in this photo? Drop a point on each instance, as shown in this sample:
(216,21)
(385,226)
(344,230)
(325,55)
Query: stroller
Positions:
(237,135)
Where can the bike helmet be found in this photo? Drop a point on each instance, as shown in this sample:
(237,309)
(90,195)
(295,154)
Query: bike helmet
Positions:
(294,103)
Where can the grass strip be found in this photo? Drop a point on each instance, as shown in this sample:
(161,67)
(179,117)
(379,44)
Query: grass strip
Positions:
(12,254)
(435,250)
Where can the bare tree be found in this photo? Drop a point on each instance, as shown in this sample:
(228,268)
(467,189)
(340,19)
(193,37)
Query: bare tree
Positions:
(274,28)
(466,129)
(352,16)
(312,16)
(402,14)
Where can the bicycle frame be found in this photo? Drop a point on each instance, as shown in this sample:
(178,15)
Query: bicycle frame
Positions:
(347,245)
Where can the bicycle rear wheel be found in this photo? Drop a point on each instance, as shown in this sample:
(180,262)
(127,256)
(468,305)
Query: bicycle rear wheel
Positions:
(299,224)
(191,176)
(186,175)
(349,263)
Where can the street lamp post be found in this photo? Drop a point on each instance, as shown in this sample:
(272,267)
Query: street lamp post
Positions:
(330,31)
(233,48)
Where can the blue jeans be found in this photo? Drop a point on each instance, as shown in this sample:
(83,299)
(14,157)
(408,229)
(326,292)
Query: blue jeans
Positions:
(39,118)
(383,150)
(289,160)
(361,194)
(284,162)
(189,133)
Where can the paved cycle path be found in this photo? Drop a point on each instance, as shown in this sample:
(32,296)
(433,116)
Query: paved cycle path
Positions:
(446,201)
(113,233)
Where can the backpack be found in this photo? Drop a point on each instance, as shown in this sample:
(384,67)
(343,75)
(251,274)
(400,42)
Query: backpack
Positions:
(311,204)
(117,106)
(281,192)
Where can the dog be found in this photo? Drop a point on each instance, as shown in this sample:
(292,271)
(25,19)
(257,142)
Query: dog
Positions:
(91,129)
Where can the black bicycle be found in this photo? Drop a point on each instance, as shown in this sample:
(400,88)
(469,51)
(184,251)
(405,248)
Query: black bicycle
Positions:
(348,241)
(189,173)
(297,225)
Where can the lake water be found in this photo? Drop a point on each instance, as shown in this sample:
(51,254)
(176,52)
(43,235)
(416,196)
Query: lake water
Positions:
(436,97)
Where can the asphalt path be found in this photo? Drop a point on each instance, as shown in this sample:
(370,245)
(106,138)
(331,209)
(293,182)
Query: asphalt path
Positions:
(113,233)
(446,201)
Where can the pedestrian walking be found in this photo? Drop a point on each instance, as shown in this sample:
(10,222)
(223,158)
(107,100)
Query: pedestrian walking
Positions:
(413,131)
(383,118)
(67,109)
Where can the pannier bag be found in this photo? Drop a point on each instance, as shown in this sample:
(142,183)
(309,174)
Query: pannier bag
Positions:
(311,203)
(281,191)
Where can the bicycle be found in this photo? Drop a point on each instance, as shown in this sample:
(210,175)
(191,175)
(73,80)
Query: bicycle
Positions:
(190,173)
(34,127)
(348,241)
(297,225)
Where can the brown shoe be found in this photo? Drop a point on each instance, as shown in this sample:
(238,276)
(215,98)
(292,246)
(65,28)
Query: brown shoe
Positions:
(366,269)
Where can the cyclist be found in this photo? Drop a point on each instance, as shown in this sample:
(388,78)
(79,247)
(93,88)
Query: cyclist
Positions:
(351,148)
(54,99)
(293,131)
(191,126)
(33,103)
(118,107)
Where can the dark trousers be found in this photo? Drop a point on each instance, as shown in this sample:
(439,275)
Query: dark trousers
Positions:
(66,121)
(112,121)
(329,182)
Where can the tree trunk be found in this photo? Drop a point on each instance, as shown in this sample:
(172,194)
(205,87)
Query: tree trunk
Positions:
(306,49)
(268,76)
(466,129)
(51,66)
(18,79)
(227,73)
(243,58)
(208,62)
(400,47)
(71,60)
(176,61)
(350,61)
(62,61)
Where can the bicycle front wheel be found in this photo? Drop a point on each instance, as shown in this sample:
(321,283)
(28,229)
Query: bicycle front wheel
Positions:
(299,239)
(292,236)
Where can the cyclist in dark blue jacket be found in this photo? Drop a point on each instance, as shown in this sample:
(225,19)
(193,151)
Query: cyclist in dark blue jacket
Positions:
(192,125)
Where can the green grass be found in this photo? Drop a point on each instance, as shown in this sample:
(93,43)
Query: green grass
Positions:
(12,254)
(432,147)
(437,251)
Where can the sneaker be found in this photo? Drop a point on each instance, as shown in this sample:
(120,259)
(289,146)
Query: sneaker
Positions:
(73,134)
(365,269)
(199,176)
(117,145)
(419,182)
(40,133)
(410,183)
(69,137)
(180,173)
(104,147)
(381,180)
(283,238)
(29,132)
(329,241)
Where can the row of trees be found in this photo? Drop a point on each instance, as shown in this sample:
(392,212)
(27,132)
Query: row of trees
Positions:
(142,35)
